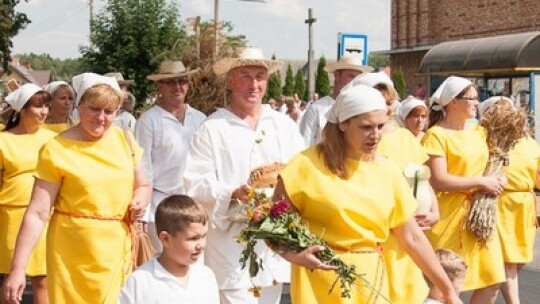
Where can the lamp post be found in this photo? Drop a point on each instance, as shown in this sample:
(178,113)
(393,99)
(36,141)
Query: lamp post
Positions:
(311,79)
(216,24)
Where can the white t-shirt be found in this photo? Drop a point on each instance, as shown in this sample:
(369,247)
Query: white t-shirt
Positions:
(314,120)
(153,284)
(126,121)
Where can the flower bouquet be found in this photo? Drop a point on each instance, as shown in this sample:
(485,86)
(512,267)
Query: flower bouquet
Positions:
(282,228)
(505,126)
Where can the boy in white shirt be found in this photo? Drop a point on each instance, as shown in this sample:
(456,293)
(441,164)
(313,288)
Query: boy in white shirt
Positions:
(456,269)
(175,276)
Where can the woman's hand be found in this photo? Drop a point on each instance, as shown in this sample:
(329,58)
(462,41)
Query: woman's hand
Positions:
(426,220)
(307,258)
(494,185)
(14,285)
(136,210)
(241,193)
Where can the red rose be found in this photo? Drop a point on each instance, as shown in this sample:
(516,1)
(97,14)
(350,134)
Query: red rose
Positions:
(279,208)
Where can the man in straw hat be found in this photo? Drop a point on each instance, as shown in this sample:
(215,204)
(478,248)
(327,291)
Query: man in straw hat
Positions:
(231,143)
(314,120)
(164,132)
(123,83)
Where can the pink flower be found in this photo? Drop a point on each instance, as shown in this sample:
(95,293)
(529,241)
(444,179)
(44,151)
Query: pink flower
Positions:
(279,208)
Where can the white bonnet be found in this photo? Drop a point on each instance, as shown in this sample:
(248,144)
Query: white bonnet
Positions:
(18,98)
(407,106)
(448,90)
(84,81)
(53,86)
(484,105)
(371,80)
(354,101)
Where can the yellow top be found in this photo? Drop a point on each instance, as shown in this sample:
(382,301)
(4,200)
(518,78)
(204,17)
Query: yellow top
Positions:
(405,279)
(2,127)
(349,214)
(89,258)
(18,160)
(402,147)
(516,212)
(466,154)
(57,127)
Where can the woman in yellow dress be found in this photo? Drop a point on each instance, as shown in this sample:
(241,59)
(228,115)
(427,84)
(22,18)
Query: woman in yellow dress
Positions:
(412,115)
(353,198)
(458,156)
(19,148)
(62,94)
(516,210)
(90,177)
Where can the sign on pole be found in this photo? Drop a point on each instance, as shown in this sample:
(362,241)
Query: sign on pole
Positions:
(353,44)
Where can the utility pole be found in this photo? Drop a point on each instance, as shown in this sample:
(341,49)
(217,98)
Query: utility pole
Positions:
(91,9)
(311,77)
(216,29)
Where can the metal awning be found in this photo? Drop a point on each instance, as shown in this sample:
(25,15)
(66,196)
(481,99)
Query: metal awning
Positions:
(507,55)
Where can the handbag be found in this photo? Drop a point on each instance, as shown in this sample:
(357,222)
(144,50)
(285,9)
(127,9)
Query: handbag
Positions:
(142,249)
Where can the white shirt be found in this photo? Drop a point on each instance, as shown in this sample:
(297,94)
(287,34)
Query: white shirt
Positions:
(431,301)
(126,121)
(222,154)
(165,141)
(153,284)
(314,120)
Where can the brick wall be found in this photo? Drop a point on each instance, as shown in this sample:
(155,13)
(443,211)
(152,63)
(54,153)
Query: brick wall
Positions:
(417,23)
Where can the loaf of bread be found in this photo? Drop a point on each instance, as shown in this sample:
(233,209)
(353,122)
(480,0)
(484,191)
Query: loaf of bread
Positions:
(265,176)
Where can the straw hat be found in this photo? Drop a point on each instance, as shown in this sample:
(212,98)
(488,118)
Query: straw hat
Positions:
(119,77)
(247,57)
(171,69)
(348,62)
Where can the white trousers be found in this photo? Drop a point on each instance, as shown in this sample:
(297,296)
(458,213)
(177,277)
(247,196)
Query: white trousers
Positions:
(269,295)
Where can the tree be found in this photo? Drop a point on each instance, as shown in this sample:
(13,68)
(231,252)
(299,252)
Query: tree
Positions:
(300,84)
(61,69)
(127,35)
(399,83)
(322,81)
(11,22)
(378,61)
(288,88)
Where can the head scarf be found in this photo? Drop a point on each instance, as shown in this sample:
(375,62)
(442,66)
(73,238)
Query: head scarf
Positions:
(84,81)
(53,86)
(18,98)
(406,107)
(448,90)
(371,80)
(354,101)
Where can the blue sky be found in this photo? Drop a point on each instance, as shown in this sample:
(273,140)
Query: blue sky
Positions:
(59,27)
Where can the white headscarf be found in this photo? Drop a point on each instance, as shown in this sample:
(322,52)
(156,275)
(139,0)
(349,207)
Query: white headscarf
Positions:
(406,107)
(354,101)
(448,90)
(53,86)
(18,98)
(486,104)
(84,81)
(370,80)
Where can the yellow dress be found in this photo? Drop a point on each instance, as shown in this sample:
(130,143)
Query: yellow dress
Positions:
(353,216)
(2,127)
(58,127)
(466,154)
(516,212)
(88,243)
(18,160)
(406,281)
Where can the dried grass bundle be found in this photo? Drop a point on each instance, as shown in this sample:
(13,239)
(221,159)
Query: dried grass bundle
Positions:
(504,126)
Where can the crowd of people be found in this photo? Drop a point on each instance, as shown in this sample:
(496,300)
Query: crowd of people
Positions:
(74,184)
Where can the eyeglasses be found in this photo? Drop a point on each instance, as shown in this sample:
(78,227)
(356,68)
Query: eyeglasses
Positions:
(468,98)
(173,82)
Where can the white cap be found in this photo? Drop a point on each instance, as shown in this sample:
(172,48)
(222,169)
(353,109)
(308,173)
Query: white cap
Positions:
(371,80)
(84,81)
(486,104)
(448,90)
(406,107)
(354,101)
(18,98)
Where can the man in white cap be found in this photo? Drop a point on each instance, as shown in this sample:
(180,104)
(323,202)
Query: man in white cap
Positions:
(232,142)
(164,132)
(314,119)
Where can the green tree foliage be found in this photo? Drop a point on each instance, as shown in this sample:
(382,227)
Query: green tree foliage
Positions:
(273,90)
(127,35)
(300,84)
(322,81)
(399,83)
(288,88)
(378,61)
(61,69)
(11,22)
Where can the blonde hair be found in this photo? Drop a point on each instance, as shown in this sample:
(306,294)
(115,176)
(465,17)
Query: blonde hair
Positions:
(452,263)
(101,96)
(333,147)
